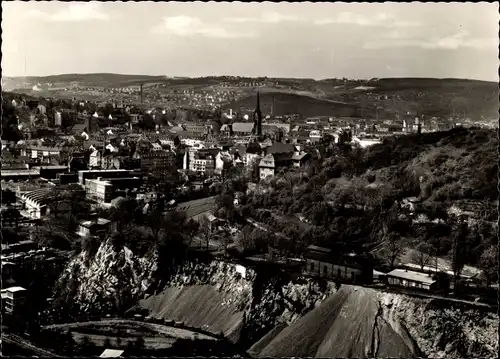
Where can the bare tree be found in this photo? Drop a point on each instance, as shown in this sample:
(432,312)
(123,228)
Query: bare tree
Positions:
(393,247)
(422,255)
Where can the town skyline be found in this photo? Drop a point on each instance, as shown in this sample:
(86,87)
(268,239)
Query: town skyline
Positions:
(273,40)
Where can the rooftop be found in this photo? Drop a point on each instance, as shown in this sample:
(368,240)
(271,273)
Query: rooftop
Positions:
(246,127)
(111,353)
(196,207)
(411,275)
(15,289)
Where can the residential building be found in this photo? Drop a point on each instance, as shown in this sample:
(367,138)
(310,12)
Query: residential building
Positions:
(322,262)
(15,300)
(223,161)
(57,119)
(270,128)
(202,161)
(45,154)
(156,161)
(267,167)
(196,128)
(272,162)
(300,158)
(411,279)
(95,159)
(42,109)
(94,228)
(225,130)
(243,128)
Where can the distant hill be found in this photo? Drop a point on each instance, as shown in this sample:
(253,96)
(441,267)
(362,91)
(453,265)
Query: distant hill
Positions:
(475,99)
(96,79)
(288,103)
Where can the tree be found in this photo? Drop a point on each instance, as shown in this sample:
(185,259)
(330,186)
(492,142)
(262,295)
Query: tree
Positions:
(459,249)
(205,231)
(107,343)
(156,223)
(422,255)
(488,263)
(140,344)
(393,248)
(86,347)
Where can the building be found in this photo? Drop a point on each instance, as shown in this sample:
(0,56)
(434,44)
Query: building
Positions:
(156,161)
(196,128)
(95,159)
(51,172)
(42,109)
(57,118)
(43,153)
(15,300)
(198,208)
(94,228)
(223,161)
(16,175)
(103,190)
(411,279)
(243,128)
(272,127)
(112,353)
(267,167)
(34,203)
(202,161)
(321,262)
(366,141)
(300,158)
(94,174)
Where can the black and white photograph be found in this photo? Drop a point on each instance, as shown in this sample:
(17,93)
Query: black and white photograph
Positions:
(251,180)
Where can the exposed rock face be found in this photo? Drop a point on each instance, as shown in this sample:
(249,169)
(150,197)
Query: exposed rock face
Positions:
(108,280)
(246,304)
(361,322)
(443,332)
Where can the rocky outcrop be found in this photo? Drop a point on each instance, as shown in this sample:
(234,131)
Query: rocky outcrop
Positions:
(362,322)
(246,304)
(442,330)
(109,280)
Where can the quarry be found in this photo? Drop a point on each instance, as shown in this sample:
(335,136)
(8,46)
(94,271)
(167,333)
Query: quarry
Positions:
(265,312)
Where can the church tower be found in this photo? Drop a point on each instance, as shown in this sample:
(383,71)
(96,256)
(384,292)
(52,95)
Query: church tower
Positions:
(257,118)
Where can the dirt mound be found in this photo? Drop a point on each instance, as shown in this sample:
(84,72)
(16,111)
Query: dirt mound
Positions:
(199,306)
(266,339)
(348,324)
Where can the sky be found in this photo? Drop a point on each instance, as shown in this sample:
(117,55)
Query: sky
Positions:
(301,40)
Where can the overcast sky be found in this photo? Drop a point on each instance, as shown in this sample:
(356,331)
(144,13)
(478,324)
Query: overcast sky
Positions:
(318,40)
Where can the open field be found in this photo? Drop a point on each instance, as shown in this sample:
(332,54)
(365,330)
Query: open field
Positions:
(290,103)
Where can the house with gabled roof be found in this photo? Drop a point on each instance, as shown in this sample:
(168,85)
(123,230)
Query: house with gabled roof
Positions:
(242,128)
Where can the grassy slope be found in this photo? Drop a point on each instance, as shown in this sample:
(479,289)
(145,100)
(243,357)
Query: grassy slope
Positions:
(288,103)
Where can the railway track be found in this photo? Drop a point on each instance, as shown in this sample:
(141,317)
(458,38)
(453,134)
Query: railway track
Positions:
(26,344)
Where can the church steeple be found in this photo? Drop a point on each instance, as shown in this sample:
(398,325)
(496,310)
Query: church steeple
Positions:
(257,118)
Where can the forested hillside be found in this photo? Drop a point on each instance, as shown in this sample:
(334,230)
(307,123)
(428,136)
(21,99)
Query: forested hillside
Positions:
(351,199)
